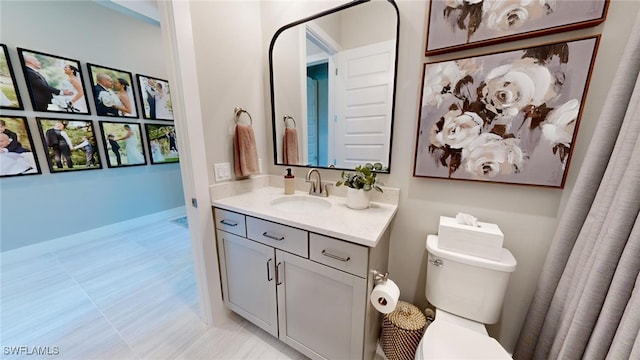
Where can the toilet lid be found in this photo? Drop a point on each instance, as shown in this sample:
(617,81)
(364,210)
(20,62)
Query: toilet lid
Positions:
(444,340)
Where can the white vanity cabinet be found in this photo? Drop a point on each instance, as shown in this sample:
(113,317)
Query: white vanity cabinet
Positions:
(248,280)
(309,290)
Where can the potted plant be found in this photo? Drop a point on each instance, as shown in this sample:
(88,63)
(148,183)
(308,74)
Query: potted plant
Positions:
(360,183)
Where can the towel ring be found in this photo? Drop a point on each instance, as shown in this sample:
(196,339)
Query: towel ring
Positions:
(238,111)
(287,117)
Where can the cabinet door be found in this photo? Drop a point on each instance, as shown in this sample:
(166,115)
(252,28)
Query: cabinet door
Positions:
(248,280)
(321,310)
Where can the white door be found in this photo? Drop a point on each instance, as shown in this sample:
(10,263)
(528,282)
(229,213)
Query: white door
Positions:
(362,125)
(248,280)
(321,310)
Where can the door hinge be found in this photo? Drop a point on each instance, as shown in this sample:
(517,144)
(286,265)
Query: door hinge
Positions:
(194,202)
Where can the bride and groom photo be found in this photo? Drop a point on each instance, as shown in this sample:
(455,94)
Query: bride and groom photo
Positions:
(54,83)
(123,144)
(112,92)
(9,94)
(163,143)
(156,98)
(70,144)
(16,149)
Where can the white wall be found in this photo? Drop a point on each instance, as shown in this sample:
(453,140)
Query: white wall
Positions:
(232,45)
(230,62)
(44,207)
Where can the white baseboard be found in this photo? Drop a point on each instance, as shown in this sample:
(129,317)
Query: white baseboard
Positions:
(44,247)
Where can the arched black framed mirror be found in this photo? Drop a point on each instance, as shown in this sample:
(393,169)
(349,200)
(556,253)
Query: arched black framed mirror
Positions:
(333,82)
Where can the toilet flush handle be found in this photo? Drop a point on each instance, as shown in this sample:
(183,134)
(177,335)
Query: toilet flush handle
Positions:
(436,262)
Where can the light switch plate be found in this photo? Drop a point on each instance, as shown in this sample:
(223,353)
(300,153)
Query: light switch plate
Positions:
(222,171)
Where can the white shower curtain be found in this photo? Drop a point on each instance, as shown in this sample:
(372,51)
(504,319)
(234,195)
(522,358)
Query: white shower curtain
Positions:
(587,304)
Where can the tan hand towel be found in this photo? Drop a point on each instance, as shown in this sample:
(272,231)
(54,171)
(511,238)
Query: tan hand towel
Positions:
(290,146)
(245,152)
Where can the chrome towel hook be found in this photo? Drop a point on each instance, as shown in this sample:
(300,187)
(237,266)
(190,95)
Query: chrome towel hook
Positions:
(238,111)
(287,117)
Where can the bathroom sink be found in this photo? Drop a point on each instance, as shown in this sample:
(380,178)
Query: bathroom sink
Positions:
(297,203)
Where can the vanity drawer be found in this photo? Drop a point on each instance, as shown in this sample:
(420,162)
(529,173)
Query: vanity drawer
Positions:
(279,236)
(339,254)
(230,221)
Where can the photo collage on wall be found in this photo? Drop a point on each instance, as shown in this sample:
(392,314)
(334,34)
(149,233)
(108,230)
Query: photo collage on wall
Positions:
(69,136)
(504,116)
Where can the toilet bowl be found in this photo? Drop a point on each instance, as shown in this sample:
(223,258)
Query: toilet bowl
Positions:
(452,337)
(467,292)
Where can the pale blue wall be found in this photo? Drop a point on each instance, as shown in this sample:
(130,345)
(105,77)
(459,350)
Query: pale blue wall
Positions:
(43,207)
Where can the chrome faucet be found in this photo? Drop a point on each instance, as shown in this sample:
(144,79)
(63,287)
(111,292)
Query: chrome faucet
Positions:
(316,188)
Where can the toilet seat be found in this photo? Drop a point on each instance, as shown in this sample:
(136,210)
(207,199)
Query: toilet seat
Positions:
(445,339)
(444,316)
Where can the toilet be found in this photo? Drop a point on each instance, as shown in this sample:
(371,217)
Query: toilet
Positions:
(467,292)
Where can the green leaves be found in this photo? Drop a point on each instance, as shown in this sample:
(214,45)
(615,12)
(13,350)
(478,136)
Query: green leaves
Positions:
(364,177)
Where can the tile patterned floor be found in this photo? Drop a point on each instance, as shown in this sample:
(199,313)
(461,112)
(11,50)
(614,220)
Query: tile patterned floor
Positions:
(129,296)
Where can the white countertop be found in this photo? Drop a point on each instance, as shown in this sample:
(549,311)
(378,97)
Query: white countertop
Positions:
(364,227)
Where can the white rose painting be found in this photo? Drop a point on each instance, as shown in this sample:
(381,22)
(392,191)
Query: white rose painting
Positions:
(507,117)
(461,24)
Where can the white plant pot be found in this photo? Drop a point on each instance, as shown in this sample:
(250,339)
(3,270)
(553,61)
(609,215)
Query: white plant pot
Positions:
(357,199)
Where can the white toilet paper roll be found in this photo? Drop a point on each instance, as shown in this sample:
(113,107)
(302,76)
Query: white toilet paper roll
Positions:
(384,296)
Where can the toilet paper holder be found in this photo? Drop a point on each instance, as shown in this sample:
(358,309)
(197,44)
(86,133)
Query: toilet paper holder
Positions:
(379,277)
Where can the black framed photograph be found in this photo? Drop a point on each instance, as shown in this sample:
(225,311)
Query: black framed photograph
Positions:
(122,144)
(17,155)
(70,145)
(112,92)
(155,96)
(459,25)
(162,143)
(9,94)
(54,82)
(507,117)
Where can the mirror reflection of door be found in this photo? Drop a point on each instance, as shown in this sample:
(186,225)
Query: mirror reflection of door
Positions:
(363,111)
(342,100)
(363,94)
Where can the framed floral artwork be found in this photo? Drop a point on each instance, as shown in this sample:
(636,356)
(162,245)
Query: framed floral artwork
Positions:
(9,93)
(122,144)
(54,82)
(463,24)
(112,92)
(508,117)
(155,96)
(70,145)
(17,155)
(162,143)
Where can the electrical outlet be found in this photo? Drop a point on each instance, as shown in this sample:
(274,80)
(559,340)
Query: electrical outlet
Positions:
(222,171)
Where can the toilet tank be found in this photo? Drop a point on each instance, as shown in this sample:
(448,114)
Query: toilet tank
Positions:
(465,285)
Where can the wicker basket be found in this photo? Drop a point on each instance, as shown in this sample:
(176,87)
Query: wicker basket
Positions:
(402,330)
